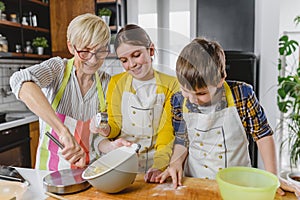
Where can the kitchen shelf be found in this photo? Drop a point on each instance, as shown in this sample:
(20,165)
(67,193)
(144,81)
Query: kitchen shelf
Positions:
(17,33)
(22,55)
(108,1)
(18,25)
(10,24)
(39,2)
(35,28)
(118,8)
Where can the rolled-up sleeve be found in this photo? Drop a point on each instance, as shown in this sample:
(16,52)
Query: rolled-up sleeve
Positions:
(42,74)
(179,125)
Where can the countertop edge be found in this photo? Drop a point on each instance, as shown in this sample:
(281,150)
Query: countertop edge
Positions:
(19,122)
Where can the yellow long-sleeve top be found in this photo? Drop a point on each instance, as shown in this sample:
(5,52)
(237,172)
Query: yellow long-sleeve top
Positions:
(165,133)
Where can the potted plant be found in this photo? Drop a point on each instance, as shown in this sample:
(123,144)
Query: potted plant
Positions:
(2,9)
(40,43)
(288,98)
(105,14)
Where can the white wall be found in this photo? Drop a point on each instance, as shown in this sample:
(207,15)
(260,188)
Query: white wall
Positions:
(289,9)
(266,47)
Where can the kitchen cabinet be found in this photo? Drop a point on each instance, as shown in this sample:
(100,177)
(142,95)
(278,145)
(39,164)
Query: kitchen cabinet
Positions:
(62,12)
(34,133)
(17,33)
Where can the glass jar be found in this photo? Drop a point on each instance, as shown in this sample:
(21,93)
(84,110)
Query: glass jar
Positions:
(18,48)
(3,44)
(28,48)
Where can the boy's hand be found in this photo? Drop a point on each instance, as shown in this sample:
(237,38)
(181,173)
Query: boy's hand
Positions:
(150,176)
(175,172)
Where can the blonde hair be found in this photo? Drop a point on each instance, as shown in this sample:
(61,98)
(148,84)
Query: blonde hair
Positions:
(88,30)
(201,63)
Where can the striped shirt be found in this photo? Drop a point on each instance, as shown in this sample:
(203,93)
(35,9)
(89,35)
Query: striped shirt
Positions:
(49,75)
(250,111)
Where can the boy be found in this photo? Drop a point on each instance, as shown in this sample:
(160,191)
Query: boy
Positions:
(212,116)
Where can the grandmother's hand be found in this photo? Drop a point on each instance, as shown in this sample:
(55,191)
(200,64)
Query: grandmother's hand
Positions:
(72,151)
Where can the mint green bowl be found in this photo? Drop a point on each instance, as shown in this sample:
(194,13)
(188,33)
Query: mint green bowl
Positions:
(246,183)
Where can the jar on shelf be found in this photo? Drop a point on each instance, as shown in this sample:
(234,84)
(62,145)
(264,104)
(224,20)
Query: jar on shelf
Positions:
(18,48)
(28,48)
(3,44)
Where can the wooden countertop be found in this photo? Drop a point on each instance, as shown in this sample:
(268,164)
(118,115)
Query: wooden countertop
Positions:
(193,188)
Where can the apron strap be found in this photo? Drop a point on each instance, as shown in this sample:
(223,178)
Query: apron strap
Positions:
(102,105)
(228,94)
(62,88)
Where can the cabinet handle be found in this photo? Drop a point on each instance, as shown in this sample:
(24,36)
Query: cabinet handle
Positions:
(7,132)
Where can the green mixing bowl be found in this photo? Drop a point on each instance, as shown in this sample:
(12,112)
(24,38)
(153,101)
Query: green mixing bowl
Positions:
(246,183)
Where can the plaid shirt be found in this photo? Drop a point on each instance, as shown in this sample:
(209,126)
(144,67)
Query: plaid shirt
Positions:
(250,111)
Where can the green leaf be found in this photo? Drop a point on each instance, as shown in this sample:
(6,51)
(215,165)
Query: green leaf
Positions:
(286,46)
(297,20)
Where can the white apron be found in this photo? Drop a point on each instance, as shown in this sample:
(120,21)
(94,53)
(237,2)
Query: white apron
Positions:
(48,153)
(216,140)
(140,123)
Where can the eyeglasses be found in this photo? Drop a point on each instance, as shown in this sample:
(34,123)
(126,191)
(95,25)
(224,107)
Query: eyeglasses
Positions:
(86,55)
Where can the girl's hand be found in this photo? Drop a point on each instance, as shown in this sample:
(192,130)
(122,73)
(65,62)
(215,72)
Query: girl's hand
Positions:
(120,142)
(95,127)
(150,176)
(106,145)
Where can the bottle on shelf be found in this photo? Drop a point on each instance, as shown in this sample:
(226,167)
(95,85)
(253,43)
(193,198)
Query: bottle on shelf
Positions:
(24,21)
(30,18)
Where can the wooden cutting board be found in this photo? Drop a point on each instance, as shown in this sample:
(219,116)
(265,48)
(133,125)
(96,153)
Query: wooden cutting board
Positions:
(193,188)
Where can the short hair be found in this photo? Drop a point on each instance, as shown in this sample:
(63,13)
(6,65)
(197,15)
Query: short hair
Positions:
(201,63)
(134,35)
(88,30)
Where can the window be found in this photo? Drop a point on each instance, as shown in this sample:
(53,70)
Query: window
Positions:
(169,25)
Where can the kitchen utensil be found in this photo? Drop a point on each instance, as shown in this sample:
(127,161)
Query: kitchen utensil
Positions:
(102,119)
(65,181)
(55,140)
(236,183)
(11,174)
(114,171)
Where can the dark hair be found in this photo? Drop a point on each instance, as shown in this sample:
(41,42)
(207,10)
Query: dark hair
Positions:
(134,35)
(200,63)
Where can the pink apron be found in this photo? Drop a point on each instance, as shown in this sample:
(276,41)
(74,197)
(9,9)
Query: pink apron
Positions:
(48,155)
